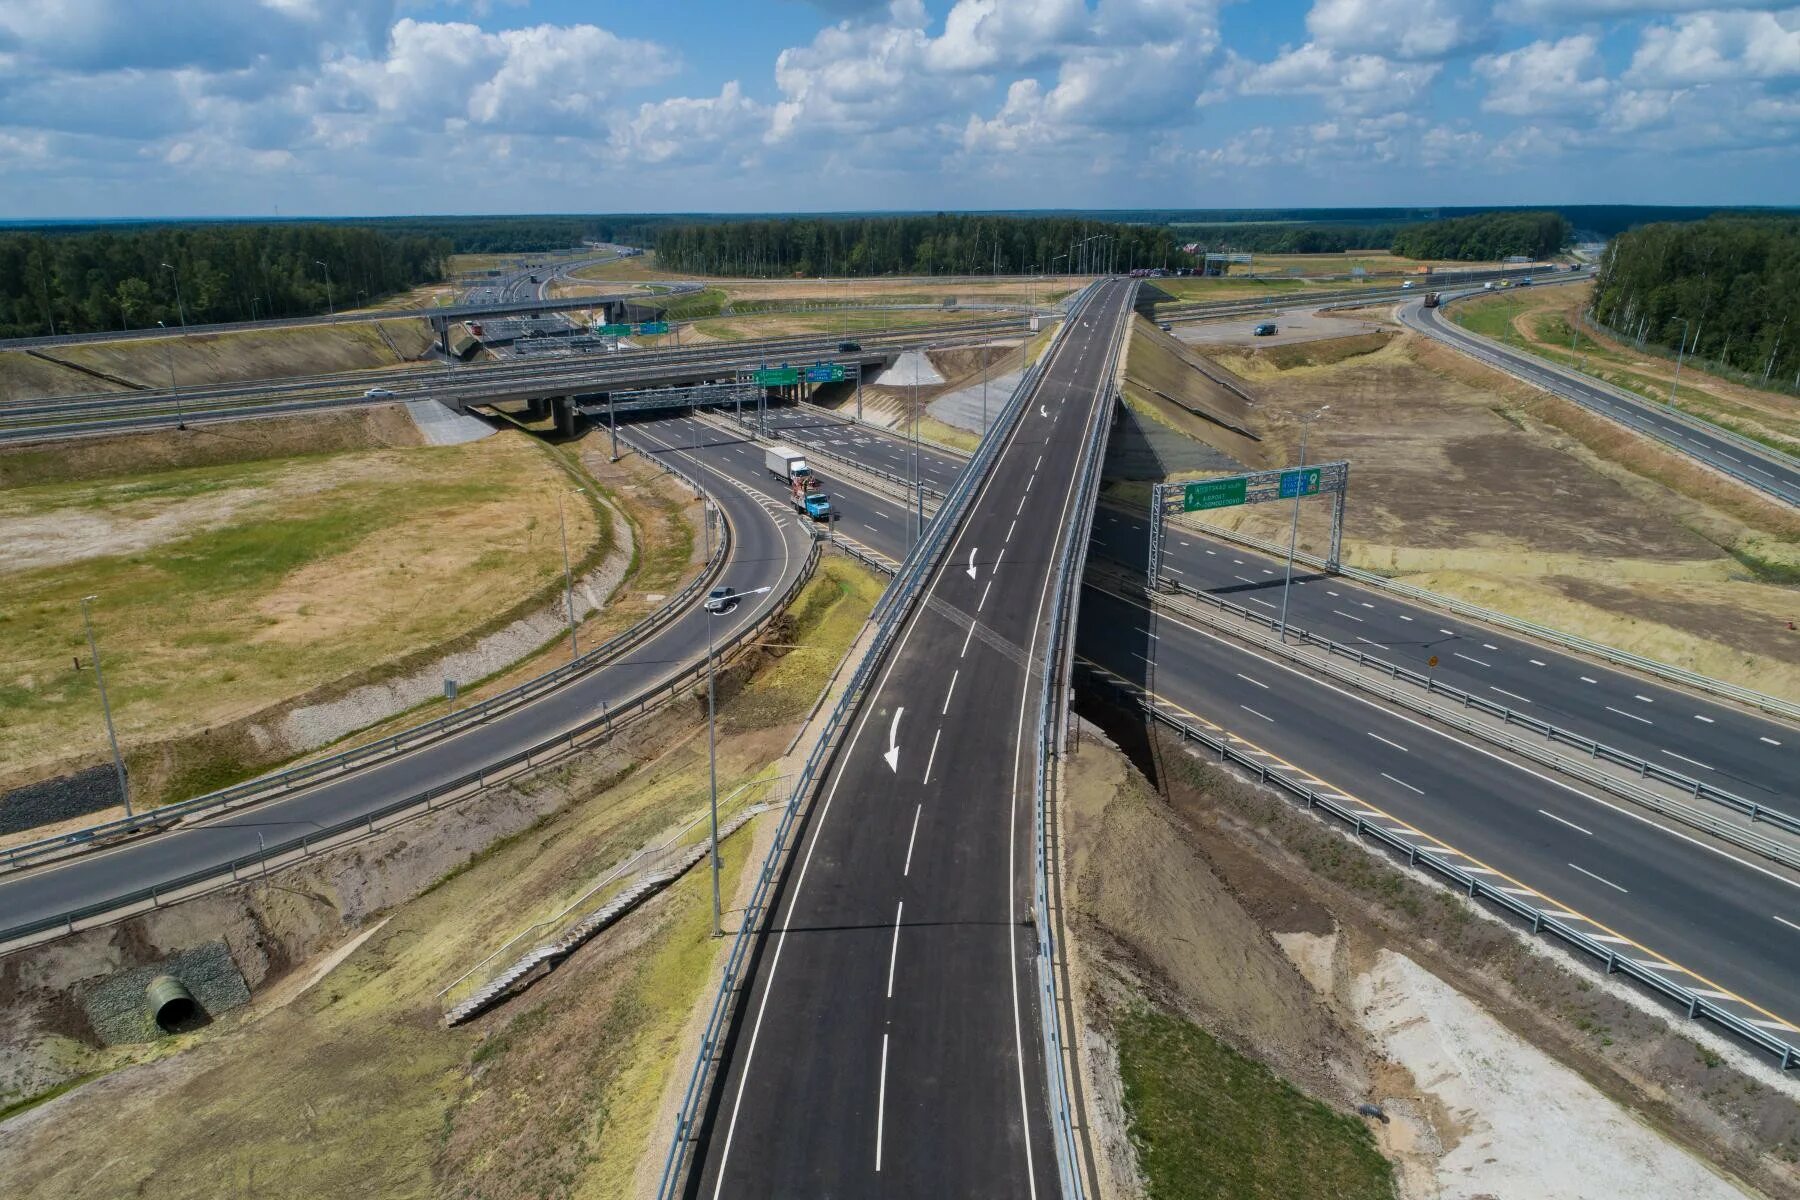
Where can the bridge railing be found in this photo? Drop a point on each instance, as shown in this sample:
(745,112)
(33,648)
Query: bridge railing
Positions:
(1052,719)
(887,616)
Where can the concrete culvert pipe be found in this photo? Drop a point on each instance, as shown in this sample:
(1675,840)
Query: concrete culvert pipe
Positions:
(171,1004)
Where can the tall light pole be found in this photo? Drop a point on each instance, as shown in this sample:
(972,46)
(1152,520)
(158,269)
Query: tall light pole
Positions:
(1679,351)
(169,361)
(712,737)
(330,308)
(253,301)
(105,706)
(1294,529)
(180,308)
(562,526)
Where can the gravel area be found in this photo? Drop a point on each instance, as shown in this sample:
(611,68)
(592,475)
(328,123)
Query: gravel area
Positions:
(441,427)
(58,799)
(901,372)
(115,1005)
(320,724)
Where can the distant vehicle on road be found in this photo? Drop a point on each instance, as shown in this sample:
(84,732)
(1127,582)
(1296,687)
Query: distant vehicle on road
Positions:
(849,347)
(1165,327)
(379,394)
(1488,286)
(786,464)
(1525,282)
(1407,286)
(1266,329)
(721,600)
(1431,299)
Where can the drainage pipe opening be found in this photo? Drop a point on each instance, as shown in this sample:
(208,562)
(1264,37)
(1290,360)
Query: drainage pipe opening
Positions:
(171,1005)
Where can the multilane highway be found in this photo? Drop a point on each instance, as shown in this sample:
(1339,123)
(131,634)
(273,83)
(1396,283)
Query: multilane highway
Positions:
(1710,918)
(888,1043)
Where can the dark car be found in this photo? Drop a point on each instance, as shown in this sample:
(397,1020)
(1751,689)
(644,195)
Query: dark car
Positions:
(1266,329)
(721,600)
(849,347)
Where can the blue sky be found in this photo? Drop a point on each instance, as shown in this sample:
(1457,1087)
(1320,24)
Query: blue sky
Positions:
(336,107)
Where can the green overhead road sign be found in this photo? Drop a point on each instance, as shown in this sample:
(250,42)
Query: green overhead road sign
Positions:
(653,327)
(776,376)
(614,331)
(1213,493)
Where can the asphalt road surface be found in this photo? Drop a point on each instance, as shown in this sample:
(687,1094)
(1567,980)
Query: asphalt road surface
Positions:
(1766,470)
(1706,917)
(769,551)
(888,1043)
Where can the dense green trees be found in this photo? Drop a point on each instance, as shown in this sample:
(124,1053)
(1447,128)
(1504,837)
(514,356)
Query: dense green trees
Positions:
(1726,288)
(1486,237)
(935,245)
(1276,238)
(114,278)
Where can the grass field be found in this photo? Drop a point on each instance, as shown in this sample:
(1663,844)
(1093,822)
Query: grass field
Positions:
(354,1089)
(1210,1124)
(211,358)
(1467,482)
(226,587)
(1546,323)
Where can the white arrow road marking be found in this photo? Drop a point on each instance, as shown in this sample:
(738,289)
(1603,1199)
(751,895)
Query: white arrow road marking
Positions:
(893,750)
(1042,411)
(972,562)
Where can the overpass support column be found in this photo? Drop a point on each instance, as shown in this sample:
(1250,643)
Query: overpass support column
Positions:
(565,415)
(441,327)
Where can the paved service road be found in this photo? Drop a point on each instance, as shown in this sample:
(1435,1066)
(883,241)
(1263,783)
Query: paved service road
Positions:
(887,1044)
(1722,744)
(1767,470)
(768,552)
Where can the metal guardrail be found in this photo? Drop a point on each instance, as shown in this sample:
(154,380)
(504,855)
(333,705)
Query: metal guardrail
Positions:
(1697,1004)
(887,616)
(1052,708)
(1600,751)
(1493,354)
(635,707)
(266,787)
(1626,789)
(1570,641)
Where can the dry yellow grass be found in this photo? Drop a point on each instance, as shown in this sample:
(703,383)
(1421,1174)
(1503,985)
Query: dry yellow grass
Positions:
(227,588)
(1468,482)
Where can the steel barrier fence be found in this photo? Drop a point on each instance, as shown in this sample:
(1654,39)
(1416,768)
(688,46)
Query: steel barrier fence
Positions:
(1486,351)
(1694,818)
(895,602)
(1624,658)
(636,706)
(1051,706)
(282,782)
(1511,716)
(1696,1003)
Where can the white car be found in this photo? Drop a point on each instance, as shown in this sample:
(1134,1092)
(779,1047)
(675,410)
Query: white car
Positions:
(1407,286)
(379,394)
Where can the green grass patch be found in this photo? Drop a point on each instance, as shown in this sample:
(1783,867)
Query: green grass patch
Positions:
(1210,1124)
(44,1097)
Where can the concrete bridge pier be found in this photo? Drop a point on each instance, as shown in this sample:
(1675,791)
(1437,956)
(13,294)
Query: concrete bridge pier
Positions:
(440,328)
(564,408)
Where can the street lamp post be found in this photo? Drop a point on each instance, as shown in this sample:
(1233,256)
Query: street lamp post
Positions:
(562,526)
(105,705)
(180,308)
(1294,528)
(330,308)
(169,361)
(1679,351)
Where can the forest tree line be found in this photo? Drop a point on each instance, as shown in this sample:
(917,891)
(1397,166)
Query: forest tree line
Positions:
(933,245)
(1487,237)
(134,276)
(1726,289)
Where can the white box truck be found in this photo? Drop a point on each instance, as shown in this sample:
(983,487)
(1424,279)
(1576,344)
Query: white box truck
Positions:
(786,464)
